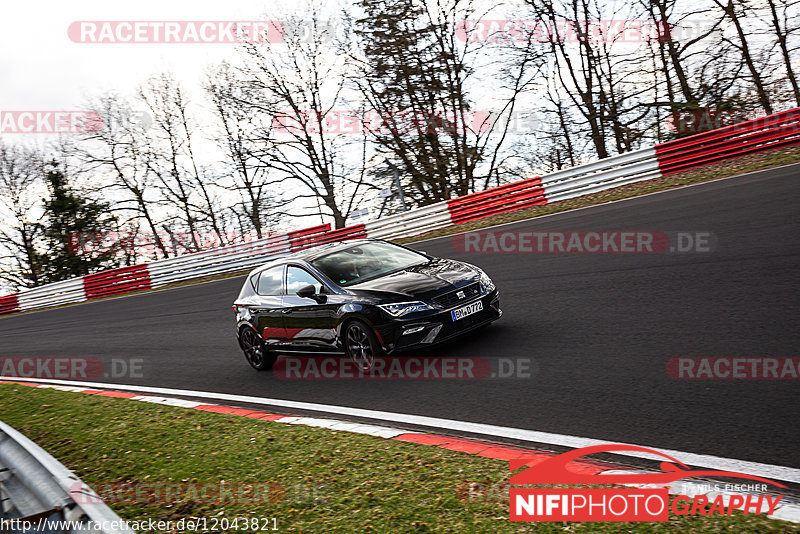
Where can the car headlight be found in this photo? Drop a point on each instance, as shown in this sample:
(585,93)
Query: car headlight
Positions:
(402,308)
(486,282)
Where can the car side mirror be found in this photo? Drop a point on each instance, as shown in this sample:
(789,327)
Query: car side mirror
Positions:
(306,292)
(310,292)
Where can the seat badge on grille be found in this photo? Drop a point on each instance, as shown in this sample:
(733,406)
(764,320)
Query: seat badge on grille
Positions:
(460,294)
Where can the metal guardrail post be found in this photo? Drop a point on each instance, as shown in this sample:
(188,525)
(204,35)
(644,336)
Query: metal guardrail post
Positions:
(36,487)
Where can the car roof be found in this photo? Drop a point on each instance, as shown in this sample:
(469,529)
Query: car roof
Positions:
(310,254)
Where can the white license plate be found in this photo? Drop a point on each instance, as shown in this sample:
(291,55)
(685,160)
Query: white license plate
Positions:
(469,309)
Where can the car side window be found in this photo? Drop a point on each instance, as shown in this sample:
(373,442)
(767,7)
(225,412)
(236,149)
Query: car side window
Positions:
(270,281)
(298,278)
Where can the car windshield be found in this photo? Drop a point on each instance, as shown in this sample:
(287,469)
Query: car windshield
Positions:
(366,261)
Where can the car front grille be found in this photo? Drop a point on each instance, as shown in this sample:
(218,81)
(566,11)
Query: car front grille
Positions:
(452,298)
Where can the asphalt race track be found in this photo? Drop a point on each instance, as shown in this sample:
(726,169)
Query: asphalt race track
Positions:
(599,328)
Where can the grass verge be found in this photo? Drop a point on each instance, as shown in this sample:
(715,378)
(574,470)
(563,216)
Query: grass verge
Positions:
(319,480)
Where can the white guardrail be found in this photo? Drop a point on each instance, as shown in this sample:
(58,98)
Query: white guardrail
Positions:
(581,180)
(600,175)
(569,183)
(410,223)
(54,294)
(37,491)
(216,261)
(765,133)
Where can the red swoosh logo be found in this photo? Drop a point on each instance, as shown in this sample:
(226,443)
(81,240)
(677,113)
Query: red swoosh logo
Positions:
(554,470)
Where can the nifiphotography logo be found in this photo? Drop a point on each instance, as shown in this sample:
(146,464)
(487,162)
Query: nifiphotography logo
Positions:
(617,503)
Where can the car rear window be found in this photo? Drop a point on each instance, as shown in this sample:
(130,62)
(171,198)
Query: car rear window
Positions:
(270,282)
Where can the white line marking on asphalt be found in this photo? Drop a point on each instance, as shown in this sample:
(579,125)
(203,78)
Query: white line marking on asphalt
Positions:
(332,424)
(787,513)
(179,403)
(776,472)
(65,388)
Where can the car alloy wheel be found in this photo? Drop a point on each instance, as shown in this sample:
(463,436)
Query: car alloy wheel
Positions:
(361,345)
(254,350)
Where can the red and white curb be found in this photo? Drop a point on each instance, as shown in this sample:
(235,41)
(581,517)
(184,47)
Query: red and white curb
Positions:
(789,510)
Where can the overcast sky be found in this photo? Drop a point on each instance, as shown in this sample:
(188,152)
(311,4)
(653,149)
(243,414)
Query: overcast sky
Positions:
(43,69)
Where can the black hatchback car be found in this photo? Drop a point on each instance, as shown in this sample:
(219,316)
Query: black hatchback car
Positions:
(363,298)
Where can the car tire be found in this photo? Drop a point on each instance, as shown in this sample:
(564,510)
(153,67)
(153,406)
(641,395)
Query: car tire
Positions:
(255,352)
(361,345)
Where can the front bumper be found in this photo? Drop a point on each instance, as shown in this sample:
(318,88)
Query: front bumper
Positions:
(415,333)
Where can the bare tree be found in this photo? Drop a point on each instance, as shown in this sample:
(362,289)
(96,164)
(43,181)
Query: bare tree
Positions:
(578,67)
(172,159)
(119,157)
(673,52)
(782,28)
(21,188)
(299,85)
(730,10)
(165,150)
(418,70)
(248,176)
